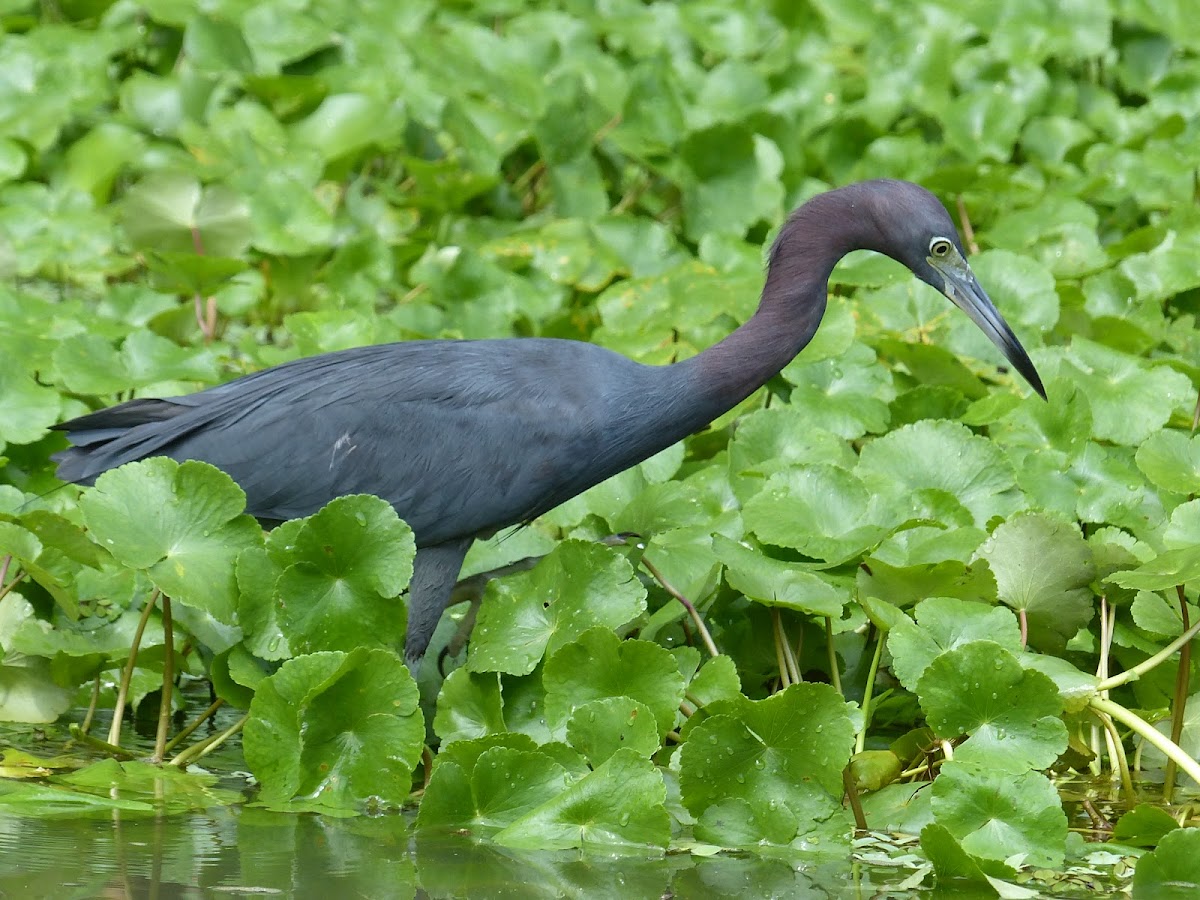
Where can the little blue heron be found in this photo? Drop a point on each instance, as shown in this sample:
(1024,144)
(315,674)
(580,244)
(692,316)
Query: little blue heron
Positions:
(464,438)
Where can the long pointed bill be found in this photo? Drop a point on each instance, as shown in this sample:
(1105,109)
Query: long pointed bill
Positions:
(965,293)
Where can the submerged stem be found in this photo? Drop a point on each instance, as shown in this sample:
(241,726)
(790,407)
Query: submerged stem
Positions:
(91,710)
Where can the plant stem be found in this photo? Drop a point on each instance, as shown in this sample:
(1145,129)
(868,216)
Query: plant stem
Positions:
(785,678)
(860,742)
(835,676)
(1178,707)
(114,730)
(12,584)
(687,604)
(168,683)
(860,819)
(789,655)
(1116,753)
(91,710)
(1023,618)
(1149,733)
(204,716)
(83,737)
(1146,665)
(208,745)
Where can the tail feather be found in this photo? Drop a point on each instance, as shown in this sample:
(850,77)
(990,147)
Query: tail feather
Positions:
(105,439)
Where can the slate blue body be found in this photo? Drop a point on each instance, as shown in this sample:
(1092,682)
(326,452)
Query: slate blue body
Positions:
(466,437)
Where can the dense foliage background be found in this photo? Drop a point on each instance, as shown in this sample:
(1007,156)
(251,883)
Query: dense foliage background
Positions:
(900,553)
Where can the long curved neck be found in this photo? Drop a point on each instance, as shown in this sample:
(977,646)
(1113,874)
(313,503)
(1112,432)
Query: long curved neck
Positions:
(793,301)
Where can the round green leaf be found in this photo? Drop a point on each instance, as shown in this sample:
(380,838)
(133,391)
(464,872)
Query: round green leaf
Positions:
(27,409)
(1171,460)
(1172,870)
(598,665)
(943,623)
(497,788)
(620,803)
(337,728)
(788,749)
(942,455)
(469,705)
(181,522)
(773,582)
(1130,398)
(171,212)
(1144,826)
(1012,714)
(1043,566)
(995,814)
(820,510)
(575,587)
(600,728)
(350,561)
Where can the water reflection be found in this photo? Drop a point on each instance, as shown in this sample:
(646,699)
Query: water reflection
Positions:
(252,852)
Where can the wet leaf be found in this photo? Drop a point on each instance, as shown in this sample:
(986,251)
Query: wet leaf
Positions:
(336,728)
(182,523)
(577,586)
(1044,567)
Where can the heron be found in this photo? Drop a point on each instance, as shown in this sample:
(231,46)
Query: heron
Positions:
(467,437)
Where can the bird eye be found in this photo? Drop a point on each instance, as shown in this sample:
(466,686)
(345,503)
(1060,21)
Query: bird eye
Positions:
(940,247)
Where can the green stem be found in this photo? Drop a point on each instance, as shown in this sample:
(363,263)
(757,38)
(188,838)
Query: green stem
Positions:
(80,735)
(1179,706)
(860,742)
(835,676)
(91,710)
(208,745)
(789,655)
(204,716)
(687,604)
(12,584)
(860,819)
(785,678)
(168,683)
(114,730)
(1146,665)
(1149,733)
(1117,753)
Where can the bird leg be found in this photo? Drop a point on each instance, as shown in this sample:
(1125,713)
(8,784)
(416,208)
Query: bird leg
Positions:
(435,570)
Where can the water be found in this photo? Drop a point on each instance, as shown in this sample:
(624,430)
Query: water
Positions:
(232,852)
(241,850)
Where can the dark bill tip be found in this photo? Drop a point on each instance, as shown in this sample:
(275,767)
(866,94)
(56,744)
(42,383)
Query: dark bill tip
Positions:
(967,295)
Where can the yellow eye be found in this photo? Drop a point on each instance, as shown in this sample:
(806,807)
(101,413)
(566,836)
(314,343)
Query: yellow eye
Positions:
(940,247)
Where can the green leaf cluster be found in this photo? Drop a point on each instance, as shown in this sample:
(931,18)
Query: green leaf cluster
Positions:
(903,556)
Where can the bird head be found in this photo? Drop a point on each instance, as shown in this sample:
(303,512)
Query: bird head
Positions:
(913,228)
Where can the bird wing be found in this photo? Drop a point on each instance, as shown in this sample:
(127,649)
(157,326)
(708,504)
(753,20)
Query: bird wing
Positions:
(461,437)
